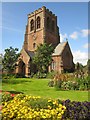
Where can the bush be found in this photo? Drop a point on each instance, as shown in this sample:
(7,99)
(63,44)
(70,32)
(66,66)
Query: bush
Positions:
(83,83)
(7,76)
(58,80)
(51,83)
(19,75)
(69,82)
(39,75)
(76,110)
(69,85)
(51,74)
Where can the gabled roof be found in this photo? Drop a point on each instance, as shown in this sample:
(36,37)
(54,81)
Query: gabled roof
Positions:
(59,48)
(30,53)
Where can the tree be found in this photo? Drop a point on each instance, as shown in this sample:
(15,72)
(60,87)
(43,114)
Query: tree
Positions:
(79,67)
(9,59)
(88,66)
(1,56)
(43,57)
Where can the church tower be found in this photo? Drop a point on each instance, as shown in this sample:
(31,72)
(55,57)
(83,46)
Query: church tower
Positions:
(41,27)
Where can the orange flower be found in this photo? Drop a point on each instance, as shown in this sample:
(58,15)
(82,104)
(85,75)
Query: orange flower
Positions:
(0,107)
(7,92)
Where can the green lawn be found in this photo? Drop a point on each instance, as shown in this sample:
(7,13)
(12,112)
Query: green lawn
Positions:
(39,87)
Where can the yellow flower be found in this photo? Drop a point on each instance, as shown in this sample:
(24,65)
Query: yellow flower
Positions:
(49,100)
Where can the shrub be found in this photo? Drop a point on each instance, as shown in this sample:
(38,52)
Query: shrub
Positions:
(58,80)
(51,74)
(69,82)
(7,76)
(51,83)
(83,84)
(19,75)
(40,75)
(69,85)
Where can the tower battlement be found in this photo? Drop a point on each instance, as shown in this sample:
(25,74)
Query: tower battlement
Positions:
(42,10)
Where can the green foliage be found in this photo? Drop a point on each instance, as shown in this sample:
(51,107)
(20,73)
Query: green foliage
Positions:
(10,58)
(1,61)
(40,75)
(51,83)
(51,74)
(7,76)
(69,85)
(65,82)
(79,67)
(38,103)
(88,65)
(6,97)
(83,84)
(43,57)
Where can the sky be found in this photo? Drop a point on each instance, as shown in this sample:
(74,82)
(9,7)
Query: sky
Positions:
(72,19)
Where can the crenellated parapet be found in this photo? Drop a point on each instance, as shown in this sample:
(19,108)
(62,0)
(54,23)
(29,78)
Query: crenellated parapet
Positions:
(41,10)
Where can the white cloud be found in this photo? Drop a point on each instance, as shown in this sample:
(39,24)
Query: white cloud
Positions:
(85,32)
(87,45)
(81,33)
(80,57)
(63,37)
(74,35)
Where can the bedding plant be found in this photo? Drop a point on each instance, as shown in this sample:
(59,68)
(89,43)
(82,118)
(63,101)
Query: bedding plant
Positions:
(31,107)
(21,106)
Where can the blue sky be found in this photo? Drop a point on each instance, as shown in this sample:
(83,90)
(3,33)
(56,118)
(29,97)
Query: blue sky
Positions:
(72,21)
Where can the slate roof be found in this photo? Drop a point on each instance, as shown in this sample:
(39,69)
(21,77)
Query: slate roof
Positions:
(59,48)
(30,53)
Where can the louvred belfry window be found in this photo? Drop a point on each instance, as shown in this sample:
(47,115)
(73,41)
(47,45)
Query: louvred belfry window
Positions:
(38,22)
(32,25)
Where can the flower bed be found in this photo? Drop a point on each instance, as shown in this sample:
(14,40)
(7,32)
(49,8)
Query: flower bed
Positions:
(36,108)
(23,106)
(76,110)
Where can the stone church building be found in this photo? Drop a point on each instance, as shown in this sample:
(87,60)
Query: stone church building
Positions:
(42,28)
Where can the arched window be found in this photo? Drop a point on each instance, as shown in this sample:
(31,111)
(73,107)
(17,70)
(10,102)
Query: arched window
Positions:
(53,26)
(34,45)
(32,25)
(38,22)
(48,22)
(53,65)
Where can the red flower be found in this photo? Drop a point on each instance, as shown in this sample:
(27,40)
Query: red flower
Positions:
(12,95)
(0,91)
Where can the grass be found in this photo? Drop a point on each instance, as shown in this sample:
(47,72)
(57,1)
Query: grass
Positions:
(39,87)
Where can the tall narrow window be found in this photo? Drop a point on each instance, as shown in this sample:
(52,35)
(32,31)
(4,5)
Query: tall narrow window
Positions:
(53,65)
(38,22)
(48,22)
(53,26)
(32,25)
(34,45)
